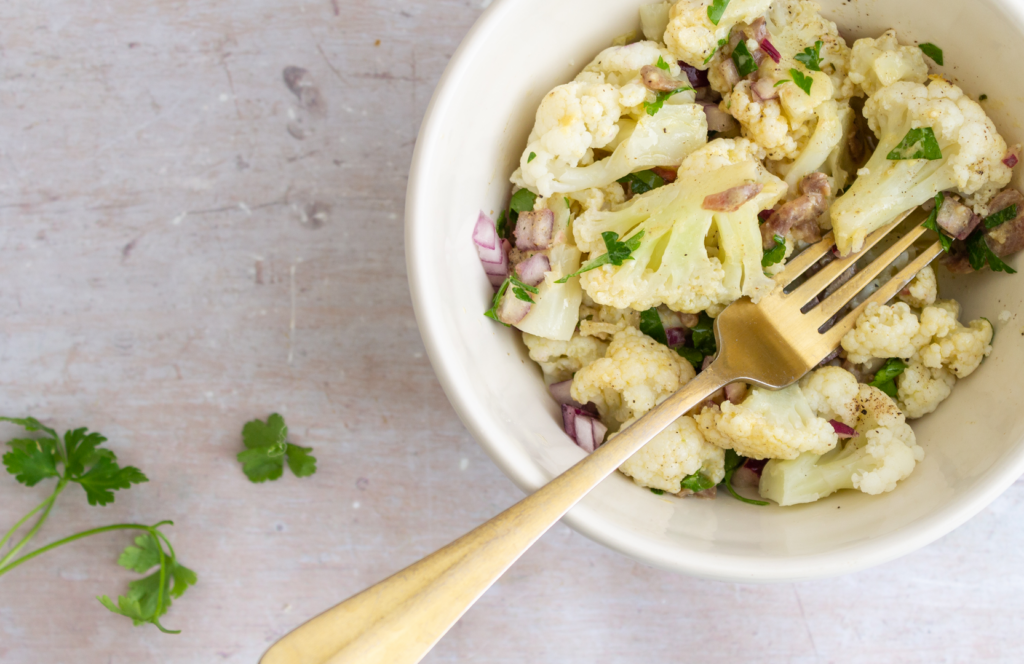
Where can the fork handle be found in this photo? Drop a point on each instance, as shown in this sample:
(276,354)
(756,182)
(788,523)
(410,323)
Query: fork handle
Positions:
(400,619)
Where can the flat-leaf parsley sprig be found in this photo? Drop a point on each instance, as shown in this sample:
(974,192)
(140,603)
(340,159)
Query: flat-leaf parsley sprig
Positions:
(267,448)
(78,458)
(617,252)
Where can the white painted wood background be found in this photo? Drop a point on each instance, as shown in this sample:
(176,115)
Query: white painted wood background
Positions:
(186,245)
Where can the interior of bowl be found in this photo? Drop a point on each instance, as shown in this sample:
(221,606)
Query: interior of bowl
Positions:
(470,142)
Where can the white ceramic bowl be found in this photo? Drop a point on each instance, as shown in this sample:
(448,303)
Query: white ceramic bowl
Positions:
(470,141)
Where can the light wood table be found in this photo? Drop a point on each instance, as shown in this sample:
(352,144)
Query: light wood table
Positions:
(186,244)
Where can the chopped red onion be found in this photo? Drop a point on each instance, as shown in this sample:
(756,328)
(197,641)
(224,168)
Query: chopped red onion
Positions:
(534,229)
(765,215)
(956,218)
(512,309)
(718,120)
(745,478)
(733,198)
(729,73)
(492,251)
(831,356)
(562,393)
(698,78)
(772,52)
(764,89)
(758,30)
(843,430)
(707,362)
(756,465)
(677,336)
(688,320)
(585,430)
(735,392)
(531,271)
(1012,156)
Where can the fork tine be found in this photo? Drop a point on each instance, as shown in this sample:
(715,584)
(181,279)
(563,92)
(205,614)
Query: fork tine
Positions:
(804,260)
(885,292)
(837,300)
(817,283)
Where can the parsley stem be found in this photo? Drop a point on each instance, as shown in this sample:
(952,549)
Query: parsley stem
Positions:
(35,529)
(25,518)
(71,538)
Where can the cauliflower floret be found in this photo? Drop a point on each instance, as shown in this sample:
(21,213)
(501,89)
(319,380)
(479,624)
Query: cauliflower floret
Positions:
(971,158)
(794,25)
(831,392)
(635,374)
(960,350)
(769,424)
(883,452)
(604,322)
(559,360)
(674,454)
(692,37)
(599,198)
(677,262)
(883,331)
(922,289)
(603,109)
(876,63)
(920,389)
(762,122)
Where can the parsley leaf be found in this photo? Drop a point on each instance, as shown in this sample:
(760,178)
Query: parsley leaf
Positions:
(983,98)
(523,200)
(703,335)
(931,223)
(521,290)
(499,225)
(31,460)
(811,56)
(616,254)
(785,80)
(651,325)
(932,51)
(533,155)
(657,492)
(745,63)
(696,482)
(716,9)
(721,43)
(734,462)
(105,477)
(652,107)
(803,81)
(919,143)
(662,64)
(885,378)
(691,355)
(642,182)
(267,448)
(1001,217)
(777,253)
(492,313)
(978,253)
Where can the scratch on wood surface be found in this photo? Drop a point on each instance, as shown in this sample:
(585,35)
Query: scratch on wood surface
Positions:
(291,324)
(329,64)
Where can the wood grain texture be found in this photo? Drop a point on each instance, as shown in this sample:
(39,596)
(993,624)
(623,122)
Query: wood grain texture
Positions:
(187,243)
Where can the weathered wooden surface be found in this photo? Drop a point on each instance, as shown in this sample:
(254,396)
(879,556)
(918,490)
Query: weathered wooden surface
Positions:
(186,244)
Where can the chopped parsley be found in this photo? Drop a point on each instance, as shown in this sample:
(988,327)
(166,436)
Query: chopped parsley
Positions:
(1001,217)
(520,290)
(691,355)
(492,313)
(616,254)
(778,83)
(745,63)
(777,253)
(803,81)
(978,253)
(267,448)
(885,378)
(652,107)
(696,482)
(734,462)
(931,223)
(500,224)
(642,182)
(533,155)
(811,56)
(721,43)
(983,98)
(716,9)
(662,64)
(932,51)
(657,492)
(919,143)
(651,325)
(523,200)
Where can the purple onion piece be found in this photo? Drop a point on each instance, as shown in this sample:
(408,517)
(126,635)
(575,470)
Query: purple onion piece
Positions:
(956,218)
(585,430)
(512,310)
(735,392)
(764,89)
(534,229)
(772,52)
(493,252)
(677,336)
(718,120)
(532,270)
(756,465)
(562,393)
(707,362)
(698,78)
(843,430)
(1012,157)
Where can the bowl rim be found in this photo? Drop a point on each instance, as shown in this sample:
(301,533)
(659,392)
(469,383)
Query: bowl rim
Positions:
(584,518)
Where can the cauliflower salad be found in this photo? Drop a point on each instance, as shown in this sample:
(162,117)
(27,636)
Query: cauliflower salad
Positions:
(680,171)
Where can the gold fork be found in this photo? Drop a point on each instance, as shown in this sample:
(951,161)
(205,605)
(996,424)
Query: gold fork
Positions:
(772,344)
